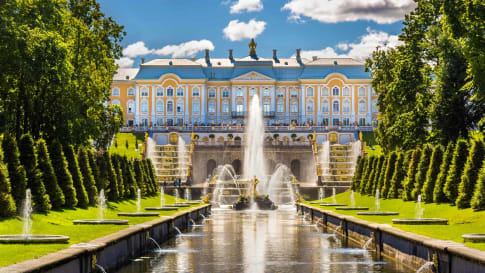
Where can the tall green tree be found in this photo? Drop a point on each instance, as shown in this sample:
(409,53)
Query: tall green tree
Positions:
(88,178)
(453,178)
(64,178)
(470,174)
(410,180)
(423,166)
(16,171)
(48,175)
(432,174)
(439,195)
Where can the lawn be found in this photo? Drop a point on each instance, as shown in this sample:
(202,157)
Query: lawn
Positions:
(60,223)
(119,145)
(460,221)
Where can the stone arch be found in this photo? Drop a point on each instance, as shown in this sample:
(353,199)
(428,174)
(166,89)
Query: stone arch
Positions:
(236,164)
(211,165)
(295,168)
(220,139)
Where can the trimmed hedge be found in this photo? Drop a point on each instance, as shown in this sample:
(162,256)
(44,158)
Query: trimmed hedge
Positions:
(391,162)
(422,171)
(410,180)
(64,178)
(380,182)
(432,174)
(7,204)
(478,200)
(439,195)
(367,173)
(397,177)
(16,172)
(77,178)
(456,169)
(88,178)
(48,175)
(377,173)
(358,173)
(470,174)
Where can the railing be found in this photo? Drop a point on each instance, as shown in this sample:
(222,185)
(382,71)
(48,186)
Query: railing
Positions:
(273,143)
(240,128)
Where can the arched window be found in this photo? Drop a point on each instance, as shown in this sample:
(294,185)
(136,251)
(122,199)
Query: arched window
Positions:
(144,106)
(294,107)
(266,106)
(195,106)
(361,91)
(346,91)
(131,91)
(336,106)
(115,102)
(280,106)
(325,106)
(212,106)
(346,106)
(195,92)
(225,93)
(239,92)
(362,106)
(374,106)
(239,107)
(294,93)
(309,106)
(252,91)
(169,105)
(225,106)
(309,92)
(159,106)
(325,92)
(144,91)
(280,93)
(266,92)
(180,106)
(159,91)
(180,92)
(115,92)
(170,92)
(335,91)
(130,106)
(212,93)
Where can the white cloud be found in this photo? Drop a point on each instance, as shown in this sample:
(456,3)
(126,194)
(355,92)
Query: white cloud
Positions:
(334,11)
(248,5)
(124,62)
(359,51)
(188,49)
(237,31)
(136,49)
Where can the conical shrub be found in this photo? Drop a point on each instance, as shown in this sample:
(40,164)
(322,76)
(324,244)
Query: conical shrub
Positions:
(129,178)
(478,200)
(112,186)
(48,175)
(439,195)
(7,204)
(397,177)
(456,169)
(470,174)
(371,190)
(367,175)
(432,174)
(422,171)
(77,178)
(102,165)
(382,175)
(391,163)
(139,176)
(358,173)
(151,173)
(410,180)
(64,178)
(94,167)
(115,159)
(88,178)
(16,171)
(28,159)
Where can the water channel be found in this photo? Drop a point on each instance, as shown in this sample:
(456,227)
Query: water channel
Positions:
(258,241)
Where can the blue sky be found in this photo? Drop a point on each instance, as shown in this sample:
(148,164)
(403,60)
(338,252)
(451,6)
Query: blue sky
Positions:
(324,28)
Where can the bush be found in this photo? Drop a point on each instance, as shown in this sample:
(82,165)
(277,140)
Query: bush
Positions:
(470,174)
(48,175)
(7,204)
(111,179)
(151,173)
(115,159)
(439,195)
(34,181)
(397,176)
(375,179)
(367,173)
(411,175)
(432,174)
(422,171)
(139,176)
(77,178)
(88,178)
(358,173)
(64,178)
(16,171)
(148,180)
(391,162)
(456,169)
(382,173)
(478,200)
(94,167)
(128,178)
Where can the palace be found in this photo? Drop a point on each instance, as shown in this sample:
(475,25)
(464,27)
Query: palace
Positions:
(333,92)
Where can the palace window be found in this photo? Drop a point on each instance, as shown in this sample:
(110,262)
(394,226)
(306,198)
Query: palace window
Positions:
(225,106)
(280,106)
(170,92)
(280,93)
(144,106)
(239,107)
(346,106)
(252,92)
(325,106)
(116,92)
(159,106)
(346,122)
(195,106)
(361,121)
(159,121)
(212,93)
(325,121)
(309,92)
(335,122)
(195,92)
(361,91)
(266,92)
(115,102)
(239,92)
(294,93)
(335,91)
(309,106)
(336,106)
(180,106)
(169,122)
(212,106)
(346,91)
(169,105)
(266,106)
(294,107)
(144,91)
(225,93)
(131,91)
(131,107)
(325,92)
(159,92)
(362,106)
(180,92)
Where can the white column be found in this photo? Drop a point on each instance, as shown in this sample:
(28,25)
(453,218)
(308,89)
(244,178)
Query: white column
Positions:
(245,95)
(218,106)
(287,106)
(319,109)
(186,94)
(153,93)
(302,104)
(137,103)
(353,112)
(203,102)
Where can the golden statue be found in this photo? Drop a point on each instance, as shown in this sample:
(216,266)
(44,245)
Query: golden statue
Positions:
(255,183)
(293,180)
(214,179)
(252,48)
(319,172)
(299,199)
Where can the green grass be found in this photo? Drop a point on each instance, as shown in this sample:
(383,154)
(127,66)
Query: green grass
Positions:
(119,144)
(375,150)
(460,221)
(60,223)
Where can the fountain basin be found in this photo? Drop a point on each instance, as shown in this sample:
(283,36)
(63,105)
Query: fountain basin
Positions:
(352,208)
(179,205)
(101,222)
(420,221)
(378,213)
(319,202)
(138,214)
(333,205)
(33,239)
(474,237)
(162,208)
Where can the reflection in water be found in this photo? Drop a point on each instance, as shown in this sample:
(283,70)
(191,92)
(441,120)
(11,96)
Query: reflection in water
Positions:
(258,241)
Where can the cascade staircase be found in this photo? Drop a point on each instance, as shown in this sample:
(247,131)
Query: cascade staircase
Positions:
(170,163)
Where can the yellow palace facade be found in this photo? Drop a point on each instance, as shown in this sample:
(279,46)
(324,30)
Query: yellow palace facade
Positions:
(333,92)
